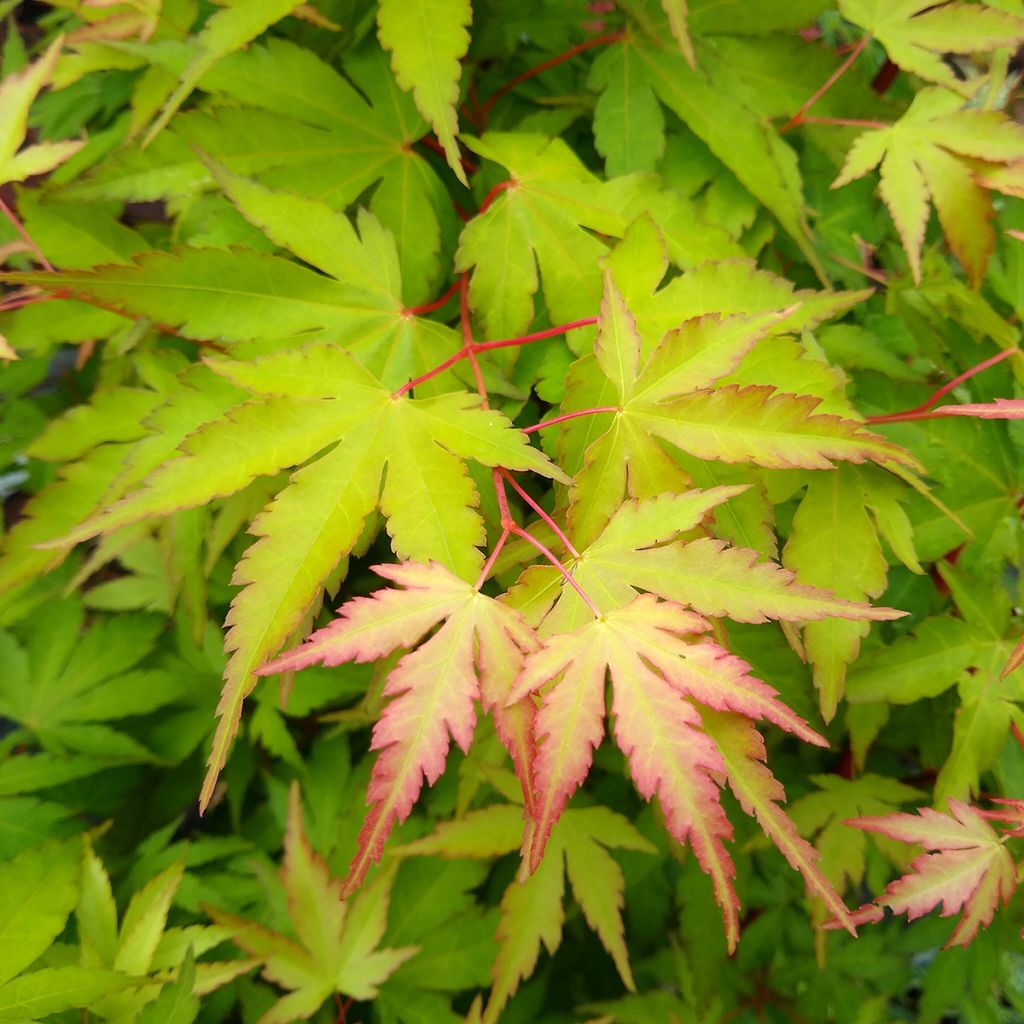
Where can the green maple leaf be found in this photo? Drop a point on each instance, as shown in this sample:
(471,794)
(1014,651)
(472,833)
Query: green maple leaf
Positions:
(916,33)
(822,815)
(243,294)
(336,947)
(427,41)
(668,395)
(544,219)
(295,123)
(65,686)
(227,30)
(320,399)
(532,914)
(17,93)
(930,154)
(741,138)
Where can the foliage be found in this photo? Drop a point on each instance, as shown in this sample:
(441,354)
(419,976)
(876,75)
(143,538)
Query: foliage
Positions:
(581,327)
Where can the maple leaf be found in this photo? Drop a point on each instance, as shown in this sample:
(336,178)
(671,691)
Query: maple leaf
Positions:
(227,30)
(929,154)
(834,544)
(658,664)
(665,395)
(823,814)
(427,41)
(294,122)
(640,550)
(531,909)
(17,93)
(310,400)
(471,657)
(545,218)
(917,34)
(242,294)
(969,870)
(337,942)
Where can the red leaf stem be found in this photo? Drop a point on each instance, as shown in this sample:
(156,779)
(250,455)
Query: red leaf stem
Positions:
(584,597)
(551,62)
(431,307)
(29,241)
(921,412)
(493,194)
(434,146)
(569,416)
(492,558)
(544,517)
(472,348)
(24,300)
(526,339)
(799,117)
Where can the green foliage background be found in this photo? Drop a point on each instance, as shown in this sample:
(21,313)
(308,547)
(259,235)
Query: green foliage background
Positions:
(255,177)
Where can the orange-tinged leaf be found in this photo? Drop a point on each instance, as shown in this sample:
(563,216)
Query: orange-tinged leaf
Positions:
(969,870)
(658,663)
(760,795)
(433,687)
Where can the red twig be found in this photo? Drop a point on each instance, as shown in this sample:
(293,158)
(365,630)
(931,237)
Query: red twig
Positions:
(921,412)
(544,517)
(492,558)
(525,339)
(799,116)
(469,345)
(551,62)
(527,536)
(431,307)
(569,416)
(27,238)
(493,194)
(435,147)
(471,348)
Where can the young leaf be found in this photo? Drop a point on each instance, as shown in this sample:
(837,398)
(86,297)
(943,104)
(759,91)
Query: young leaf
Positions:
(434,687)
(316,397)
(917,33)
(427,41)
(931,153)
(969,869)
(337,948)
(657,665)
(531,909)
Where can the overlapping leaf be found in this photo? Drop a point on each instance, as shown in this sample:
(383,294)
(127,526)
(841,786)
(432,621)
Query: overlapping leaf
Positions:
(667,397)
(968,869)
(532,915)
(917,34)
(658,664)
(471,657)
(336,944)
(930,155)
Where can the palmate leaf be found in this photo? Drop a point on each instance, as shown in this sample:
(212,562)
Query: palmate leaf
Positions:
(667,396)
(658,663)
(931,153)
(241,295)
(969,869)
(337,942)
(917,33)
(296,123)
(434,688)
(532,915)
(313,399)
